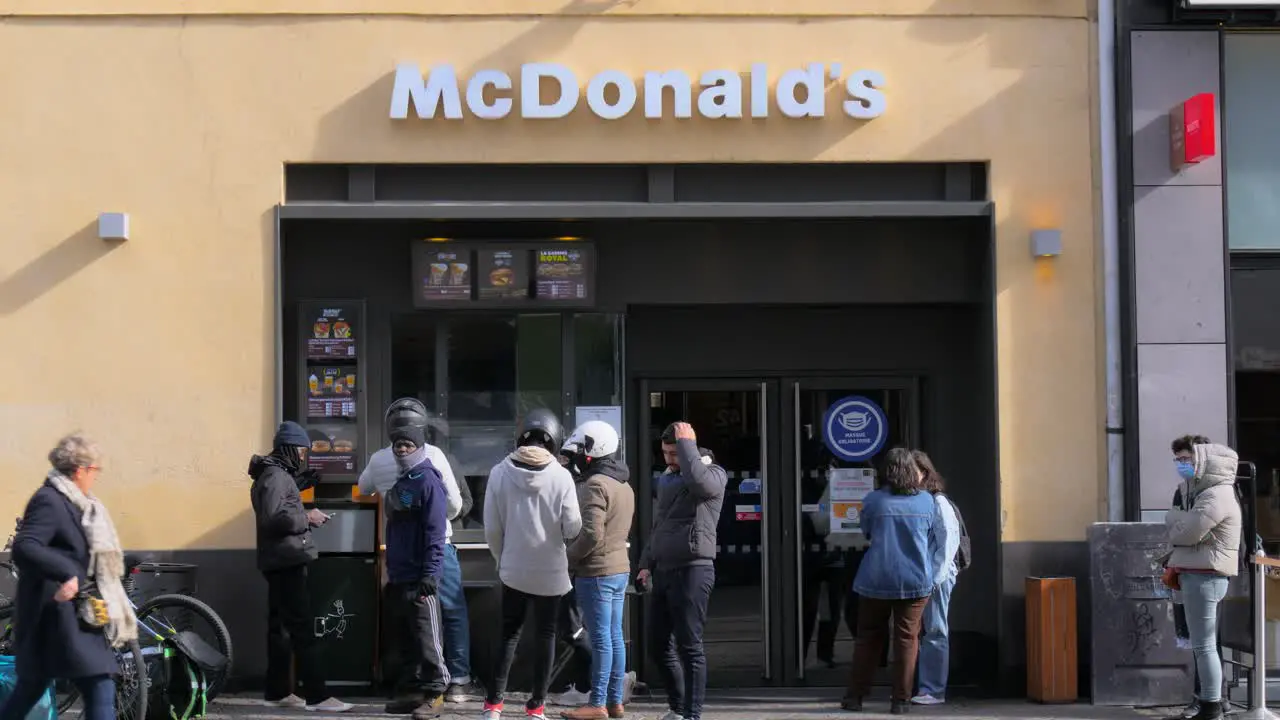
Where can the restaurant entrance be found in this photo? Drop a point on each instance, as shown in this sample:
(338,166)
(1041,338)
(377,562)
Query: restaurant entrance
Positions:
(799,453)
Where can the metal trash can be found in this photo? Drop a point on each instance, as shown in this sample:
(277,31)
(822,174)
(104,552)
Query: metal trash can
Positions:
(163,578)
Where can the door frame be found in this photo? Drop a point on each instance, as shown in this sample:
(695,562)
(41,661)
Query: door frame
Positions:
(789,507)
(780,496)
(770,532)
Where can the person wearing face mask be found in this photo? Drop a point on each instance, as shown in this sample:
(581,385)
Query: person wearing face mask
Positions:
(1204,534)
(1184,466)
(417,518)
(285,549)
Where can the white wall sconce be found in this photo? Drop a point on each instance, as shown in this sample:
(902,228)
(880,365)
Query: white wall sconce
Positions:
(1046,243)
(113,226)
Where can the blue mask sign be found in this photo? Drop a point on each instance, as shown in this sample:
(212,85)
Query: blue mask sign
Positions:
(854,428)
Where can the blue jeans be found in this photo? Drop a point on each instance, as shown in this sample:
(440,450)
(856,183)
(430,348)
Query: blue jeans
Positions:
(935,643)
(601,600)
(97,695)
(456,625)
(1201,594)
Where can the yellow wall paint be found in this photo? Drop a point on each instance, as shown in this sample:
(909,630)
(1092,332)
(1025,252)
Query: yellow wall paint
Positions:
(441,8)
(163,347)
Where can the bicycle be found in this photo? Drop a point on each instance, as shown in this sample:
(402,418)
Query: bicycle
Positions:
(156,629)
(131,683)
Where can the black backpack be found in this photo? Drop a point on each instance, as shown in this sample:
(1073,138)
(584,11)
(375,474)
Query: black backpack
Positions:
(964,557)
(177,684)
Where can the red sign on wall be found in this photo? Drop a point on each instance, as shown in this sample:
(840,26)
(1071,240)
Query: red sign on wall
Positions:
(1192,132)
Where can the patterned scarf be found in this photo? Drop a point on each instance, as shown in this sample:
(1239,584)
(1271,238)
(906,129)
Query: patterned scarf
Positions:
(106,559)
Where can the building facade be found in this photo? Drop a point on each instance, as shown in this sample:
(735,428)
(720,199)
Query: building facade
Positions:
(785,227)
(1202,246)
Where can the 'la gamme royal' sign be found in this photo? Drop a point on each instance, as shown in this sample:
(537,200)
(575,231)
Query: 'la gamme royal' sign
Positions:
(613,94)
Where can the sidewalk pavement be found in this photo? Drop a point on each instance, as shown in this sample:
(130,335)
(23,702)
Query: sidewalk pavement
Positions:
(752,705)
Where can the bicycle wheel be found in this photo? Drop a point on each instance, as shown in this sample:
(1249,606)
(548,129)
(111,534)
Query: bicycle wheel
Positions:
(131,686)
(165,615)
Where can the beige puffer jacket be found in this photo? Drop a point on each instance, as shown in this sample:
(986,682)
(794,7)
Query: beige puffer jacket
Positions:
(1207,537)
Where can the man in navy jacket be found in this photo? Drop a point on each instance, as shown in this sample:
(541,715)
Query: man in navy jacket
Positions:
(416,520)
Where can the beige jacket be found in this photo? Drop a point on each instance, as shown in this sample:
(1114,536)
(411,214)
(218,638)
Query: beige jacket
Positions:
(1207,536)
(608,507)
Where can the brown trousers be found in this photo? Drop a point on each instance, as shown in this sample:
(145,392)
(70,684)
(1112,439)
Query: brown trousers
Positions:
(873,631)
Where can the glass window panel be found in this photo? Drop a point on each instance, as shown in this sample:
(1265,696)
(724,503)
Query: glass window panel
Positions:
(540,354)
(413,359)
(499,368)
(1251,63)
(598,361)
(482,369)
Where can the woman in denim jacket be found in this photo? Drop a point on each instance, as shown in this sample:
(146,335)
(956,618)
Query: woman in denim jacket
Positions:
(907,535)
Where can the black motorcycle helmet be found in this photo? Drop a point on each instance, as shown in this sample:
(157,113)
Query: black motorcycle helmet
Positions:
(541,427)
(405,411)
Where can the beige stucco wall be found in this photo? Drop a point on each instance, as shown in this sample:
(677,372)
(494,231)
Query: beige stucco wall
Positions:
(163,347)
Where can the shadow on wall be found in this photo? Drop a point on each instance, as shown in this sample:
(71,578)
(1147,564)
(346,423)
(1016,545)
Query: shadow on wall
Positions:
(57,265)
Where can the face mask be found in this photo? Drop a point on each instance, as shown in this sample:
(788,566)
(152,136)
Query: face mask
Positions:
(1186,470)
(412,460)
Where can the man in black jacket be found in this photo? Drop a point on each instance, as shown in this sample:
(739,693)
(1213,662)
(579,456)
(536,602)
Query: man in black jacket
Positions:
(680,561)
(284,551)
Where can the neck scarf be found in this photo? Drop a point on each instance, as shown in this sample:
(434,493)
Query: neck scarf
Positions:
(106,559)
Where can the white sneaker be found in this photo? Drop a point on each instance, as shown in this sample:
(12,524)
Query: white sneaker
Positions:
(291,701)
(332,705)
(672,715)
(926,700)
(628,684)
(570,698)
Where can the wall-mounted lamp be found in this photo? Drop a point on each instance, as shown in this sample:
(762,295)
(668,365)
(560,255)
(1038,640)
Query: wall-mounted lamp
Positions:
(1046,243)
(113,226)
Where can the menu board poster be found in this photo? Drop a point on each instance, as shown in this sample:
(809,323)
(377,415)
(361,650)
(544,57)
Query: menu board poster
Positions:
(331,391)
(332,334)
(503,273)
(333,448)
(563,273)
(441,273)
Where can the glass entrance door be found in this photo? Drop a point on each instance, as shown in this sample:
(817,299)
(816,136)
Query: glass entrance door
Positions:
(841,428)
(731,419)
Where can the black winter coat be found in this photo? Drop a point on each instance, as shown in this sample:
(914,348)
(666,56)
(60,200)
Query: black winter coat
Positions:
(284,534)
(50,549)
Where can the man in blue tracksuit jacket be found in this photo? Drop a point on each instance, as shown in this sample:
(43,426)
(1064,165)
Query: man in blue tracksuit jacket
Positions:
(416,520)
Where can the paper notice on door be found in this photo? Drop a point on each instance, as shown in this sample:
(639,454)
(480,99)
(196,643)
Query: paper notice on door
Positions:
(849,487)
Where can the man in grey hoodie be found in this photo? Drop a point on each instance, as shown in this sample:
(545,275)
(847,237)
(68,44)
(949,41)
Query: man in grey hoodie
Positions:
(530,513)
(679,559)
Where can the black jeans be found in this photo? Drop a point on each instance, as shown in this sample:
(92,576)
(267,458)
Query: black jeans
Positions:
(677,614)
(289,628)
(516,606)
(416,638)
(573,633)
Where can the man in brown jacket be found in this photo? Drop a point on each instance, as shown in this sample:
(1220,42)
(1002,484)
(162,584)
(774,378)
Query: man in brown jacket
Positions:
(599,561)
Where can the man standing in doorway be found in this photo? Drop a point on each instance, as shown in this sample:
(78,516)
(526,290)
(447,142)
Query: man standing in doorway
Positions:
(379,477)
(678,563)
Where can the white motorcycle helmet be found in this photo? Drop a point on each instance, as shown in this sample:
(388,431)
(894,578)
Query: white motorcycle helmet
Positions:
(589,441)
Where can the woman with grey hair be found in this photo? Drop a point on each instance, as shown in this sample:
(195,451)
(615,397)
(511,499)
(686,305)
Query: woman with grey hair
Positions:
(60,632)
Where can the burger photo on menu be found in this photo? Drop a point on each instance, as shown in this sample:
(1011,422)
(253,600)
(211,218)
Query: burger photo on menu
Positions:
(503,274)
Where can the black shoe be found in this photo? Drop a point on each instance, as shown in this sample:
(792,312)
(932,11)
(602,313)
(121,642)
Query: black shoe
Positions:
(402,706)
(471,692)
(851,704)
(899,707)
(1209,711)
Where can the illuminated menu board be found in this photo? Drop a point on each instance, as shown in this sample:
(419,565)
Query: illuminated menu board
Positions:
(503,274)
(561,274)
(493,273)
